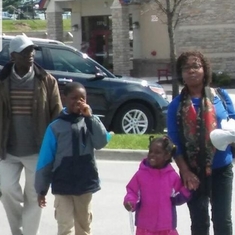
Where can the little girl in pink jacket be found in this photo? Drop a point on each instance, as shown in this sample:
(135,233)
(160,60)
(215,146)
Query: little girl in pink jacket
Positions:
(155,190)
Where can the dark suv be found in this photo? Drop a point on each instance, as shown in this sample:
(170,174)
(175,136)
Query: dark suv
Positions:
(124,104)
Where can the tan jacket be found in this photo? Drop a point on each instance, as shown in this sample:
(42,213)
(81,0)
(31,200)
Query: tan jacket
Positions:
(46,105)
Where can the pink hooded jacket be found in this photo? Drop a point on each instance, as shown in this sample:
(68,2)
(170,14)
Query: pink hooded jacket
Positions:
(154,193)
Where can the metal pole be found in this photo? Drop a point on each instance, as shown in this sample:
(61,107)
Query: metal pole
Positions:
(32,9)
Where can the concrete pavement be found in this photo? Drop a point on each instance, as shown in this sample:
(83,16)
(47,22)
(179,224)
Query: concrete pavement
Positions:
(120,154)
(109,215)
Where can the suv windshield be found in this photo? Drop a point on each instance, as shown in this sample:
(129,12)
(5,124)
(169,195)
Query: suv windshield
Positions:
(68,61)
(61,58)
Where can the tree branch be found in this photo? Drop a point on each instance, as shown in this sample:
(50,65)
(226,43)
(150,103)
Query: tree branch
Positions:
(176,21)
(161,6)
(177,3)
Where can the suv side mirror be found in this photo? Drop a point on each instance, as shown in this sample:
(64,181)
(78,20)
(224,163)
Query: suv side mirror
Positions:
(99,73)
(118,76)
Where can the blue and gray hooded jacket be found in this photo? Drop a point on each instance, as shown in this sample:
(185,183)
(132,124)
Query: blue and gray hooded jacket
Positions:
(66,159)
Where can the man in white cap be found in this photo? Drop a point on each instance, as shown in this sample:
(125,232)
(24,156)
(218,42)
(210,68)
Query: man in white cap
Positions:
(29,101)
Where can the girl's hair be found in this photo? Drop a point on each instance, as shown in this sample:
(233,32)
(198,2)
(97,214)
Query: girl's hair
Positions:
(182,60)
(167,144)
(70,87)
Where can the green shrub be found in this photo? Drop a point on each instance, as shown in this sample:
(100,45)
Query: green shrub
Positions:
(214,78)
(223,79)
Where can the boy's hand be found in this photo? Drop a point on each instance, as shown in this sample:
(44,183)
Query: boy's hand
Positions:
(41,201)
(128,206)
(85,108)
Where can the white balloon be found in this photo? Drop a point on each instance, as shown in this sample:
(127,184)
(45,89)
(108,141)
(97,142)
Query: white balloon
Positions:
(222,138)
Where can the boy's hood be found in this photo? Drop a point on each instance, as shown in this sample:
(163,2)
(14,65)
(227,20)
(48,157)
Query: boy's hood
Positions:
(70,117)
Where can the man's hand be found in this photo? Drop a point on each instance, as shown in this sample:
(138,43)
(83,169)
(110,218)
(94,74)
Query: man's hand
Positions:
(41,201)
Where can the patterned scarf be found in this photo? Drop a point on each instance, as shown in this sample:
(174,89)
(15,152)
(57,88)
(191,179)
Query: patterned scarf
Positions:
(194,128)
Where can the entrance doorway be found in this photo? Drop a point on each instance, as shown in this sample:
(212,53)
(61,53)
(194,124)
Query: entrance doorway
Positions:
(96,30)
(101,44)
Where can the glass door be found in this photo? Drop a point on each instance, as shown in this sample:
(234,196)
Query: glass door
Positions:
(96,32)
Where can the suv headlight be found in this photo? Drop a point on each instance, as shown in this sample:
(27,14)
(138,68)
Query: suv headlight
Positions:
(159,90)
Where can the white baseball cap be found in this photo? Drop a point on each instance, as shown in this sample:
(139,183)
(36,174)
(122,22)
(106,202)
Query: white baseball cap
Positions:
(19,43)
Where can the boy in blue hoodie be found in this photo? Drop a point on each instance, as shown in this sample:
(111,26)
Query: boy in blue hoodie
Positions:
(66,161)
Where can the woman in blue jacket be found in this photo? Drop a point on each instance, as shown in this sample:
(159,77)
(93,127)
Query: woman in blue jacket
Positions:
(191,117)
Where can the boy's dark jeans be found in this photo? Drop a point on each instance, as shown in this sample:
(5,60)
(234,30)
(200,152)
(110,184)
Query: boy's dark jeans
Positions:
(221,198)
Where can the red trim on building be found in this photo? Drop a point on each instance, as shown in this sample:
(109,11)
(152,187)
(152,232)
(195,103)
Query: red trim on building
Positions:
(125,2)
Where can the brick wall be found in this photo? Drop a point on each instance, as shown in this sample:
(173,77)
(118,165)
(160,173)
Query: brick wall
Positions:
(120,33)
(210,29)
(55,25)
(148,67)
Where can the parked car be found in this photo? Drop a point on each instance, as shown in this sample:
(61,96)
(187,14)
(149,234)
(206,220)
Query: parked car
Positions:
(124,104)
(28,16)
(6,15)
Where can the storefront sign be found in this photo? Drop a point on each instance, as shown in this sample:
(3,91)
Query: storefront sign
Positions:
(154,18)
(101,23)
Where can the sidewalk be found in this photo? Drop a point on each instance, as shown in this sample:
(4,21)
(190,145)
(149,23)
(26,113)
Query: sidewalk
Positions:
(120,154)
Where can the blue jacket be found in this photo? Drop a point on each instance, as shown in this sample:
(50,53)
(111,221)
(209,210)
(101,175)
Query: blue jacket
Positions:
(66,159)
(221,158)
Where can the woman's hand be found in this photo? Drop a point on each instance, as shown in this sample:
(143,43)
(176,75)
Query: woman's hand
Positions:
(191,181)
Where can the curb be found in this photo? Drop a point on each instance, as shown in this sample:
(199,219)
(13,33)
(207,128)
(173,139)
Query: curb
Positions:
(120,154)
(123,155)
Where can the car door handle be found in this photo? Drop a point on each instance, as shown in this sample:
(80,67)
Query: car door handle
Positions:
(65,80)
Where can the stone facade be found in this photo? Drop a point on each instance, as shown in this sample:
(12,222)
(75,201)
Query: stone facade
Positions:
(55,26)
(209,26)
(210,29)
(120,33)
(148,67)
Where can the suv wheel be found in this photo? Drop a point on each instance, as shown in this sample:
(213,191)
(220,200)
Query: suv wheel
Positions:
(133,119)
